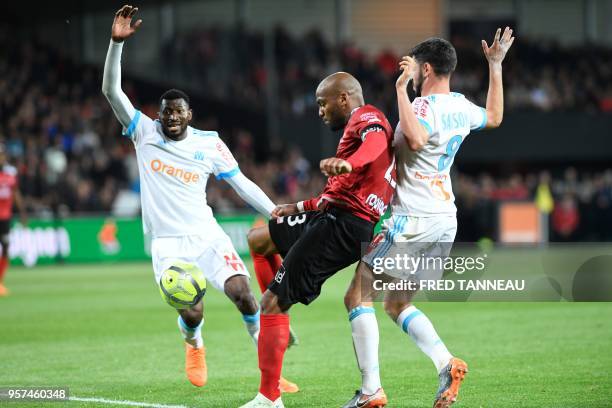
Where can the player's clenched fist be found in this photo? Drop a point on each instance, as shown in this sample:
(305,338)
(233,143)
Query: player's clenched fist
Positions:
(284,210)
(408,66)
(122,25)
(335,166)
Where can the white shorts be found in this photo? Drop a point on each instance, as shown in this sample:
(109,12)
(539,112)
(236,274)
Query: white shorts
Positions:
(417,237)
(214,254)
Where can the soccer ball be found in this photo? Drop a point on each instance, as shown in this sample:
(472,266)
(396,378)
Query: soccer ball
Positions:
(182,285)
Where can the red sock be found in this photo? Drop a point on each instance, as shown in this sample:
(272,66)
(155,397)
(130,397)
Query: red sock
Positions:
(265,268)
(273,340)
(3,266)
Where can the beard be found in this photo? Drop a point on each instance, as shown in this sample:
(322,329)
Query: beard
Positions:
(417,87)
(336,122)
(174,136)
(336,126)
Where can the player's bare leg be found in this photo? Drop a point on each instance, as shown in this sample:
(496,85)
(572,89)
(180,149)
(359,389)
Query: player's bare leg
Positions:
(273,340)
(451,370)
(190,324)
(238,290)
(266,262)
(3,265)
(260,241)
(364,327)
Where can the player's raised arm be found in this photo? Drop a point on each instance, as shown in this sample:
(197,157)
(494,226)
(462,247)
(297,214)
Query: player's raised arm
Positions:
(495,55)
(111,83)
(416,135)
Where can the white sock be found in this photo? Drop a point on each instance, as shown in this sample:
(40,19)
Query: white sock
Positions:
(192,335)
(365,340)
(251,323)
(419,327)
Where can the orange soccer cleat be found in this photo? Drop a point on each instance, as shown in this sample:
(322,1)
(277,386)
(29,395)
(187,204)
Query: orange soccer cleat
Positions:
(287,386)
(450,380)
(3,290)
(195,365)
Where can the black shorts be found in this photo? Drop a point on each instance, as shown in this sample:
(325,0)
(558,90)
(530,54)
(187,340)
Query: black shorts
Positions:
(5,229)
(315,246)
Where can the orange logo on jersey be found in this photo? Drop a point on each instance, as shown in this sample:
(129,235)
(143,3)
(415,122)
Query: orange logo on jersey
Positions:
(437,188)
(436,184)
(159,166)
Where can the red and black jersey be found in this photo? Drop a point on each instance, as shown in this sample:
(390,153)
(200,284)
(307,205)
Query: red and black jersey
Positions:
(367,144)
(8,182)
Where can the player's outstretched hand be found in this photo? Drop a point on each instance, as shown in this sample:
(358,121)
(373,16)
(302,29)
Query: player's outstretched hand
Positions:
(284,210)
(335,166)
(408,66)
(122,25)
(501,44)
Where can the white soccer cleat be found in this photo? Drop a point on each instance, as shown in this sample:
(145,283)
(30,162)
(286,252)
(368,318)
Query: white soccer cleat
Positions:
(260,401)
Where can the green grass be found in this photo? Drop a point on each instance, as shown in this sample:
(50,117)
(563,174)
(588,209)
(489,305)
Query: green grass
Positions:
(103,331)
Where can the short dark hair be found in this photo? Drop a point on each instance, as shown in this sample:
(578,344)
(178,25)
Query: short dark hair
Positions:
(172,94)
(439,53)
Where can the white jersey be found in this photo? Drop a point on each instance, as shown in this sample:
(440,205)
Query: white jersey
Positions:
(424,186)
(173,176)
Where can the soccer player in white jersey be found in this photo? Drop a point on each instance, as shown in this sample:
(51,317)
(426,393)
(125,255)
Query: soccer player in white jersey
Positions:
(430,131)
(175,161)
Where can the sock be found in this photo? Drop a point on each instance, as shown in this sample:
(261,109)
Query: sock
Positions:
(192,335)
(365,340)
(3,267)
(265,268)
(419,327)
(273,339)
(252,325)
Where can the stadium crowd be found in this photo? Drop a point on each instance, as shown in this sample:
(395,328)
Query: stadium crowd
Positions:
(578,78)
(64,140)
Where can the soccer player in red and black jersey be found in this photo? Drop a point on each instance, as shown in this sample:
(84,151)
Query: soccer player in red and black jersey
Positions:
(9,192)
(321,236)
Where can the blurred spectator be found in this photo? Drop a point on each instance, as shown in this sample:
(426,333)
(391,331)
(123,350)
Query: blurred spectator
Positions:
(558,83)
(565,219)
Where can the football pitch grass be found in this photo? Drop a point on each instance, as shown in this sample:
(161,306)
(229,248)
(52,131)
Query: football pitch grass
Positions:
(104,332)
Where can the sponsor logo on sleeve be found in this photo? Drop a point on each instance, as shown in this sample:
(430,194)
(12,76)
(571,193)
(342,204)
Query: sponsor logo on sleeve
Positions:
(421,108)
(370,117)
(374,128)
(226,154)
